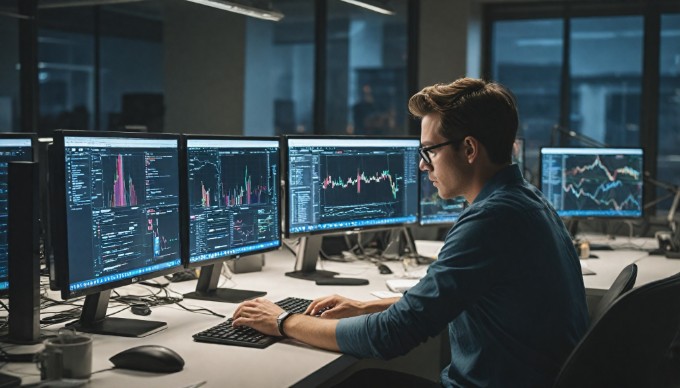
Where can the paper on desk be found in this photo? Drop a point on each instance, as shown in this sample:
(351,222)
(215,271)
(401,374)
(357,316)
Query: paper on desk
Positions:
(429,248)
(584,268)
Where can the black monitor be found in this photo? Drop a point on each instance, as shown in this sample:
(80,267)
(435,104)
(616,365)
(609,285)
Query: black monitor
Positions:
(232,206)
(336,184)
(518,153)
(13,147)
(594,182)
(115,219)
(433,209)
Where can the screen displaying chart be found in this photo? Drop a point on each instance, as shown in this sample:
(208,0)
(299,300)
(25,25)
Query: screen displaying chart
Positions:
(346,183)
(122,199)
(233,193)
(11,149)
(593,182)
(434,209)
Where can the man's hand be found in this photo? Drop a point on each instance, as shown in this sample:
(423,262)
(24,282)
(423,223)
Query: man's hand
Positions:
(260,314)
(335,307)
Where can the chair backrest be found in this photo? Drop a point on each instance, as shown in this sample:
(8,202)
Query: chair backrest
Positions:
(635,343)
(623,283)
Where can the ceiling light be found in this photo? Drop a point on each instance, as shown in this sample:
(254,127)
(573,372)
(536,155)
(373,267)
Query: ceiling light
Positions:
(232,6)
(373,5)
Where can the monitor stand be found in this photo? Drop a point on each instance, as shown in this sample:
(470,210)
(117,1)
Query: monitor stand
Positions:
(93,320)
(306,258)
(400,243)
(206,288)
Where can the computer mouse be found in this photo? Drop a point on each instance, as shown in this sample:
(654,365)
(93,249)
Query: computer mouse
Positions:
(385,270)
(149,358)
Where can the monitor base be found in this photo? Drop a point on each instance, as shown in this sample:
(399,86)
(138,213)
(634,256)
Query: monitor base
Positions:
(226,295)
(314,275)
(122,327)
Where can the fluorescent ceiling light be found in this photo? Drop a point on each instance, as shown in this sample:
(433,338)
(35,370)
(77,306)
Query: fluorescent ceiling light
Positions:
(373,5)
(232,6)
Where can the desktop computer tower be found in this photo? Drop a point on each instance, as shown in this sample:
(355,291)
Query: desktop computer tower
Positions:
(24,251)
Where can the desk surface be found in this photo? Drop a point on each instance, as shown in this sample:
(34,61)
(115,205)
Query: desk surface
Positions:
(221,365)
(287,362)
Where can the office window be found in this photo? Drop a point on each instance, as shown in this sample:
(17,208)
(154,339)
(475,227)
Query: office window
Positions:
(131,67)
(527,58)
(101,68)
(366,72)
(668,159)
(66,68)
(279,71)
(9,72)
(606,79)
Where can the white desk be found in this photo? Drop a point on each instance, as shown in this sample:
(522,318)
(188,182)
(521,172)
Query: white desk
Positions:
(280,365)
(288,363)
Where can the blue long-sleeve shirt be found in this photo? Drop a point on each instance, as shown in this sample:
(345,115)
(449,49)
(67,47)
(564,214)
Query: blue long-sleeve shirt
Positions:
(507,283)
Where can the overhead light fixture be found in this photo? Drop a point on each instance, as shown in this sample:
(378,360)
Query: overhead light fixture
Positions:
(248,10)
(373,5)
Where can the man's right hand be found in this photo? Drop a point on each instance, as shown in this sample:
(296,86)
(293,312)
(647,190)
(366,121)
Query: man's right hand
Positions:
(335,307)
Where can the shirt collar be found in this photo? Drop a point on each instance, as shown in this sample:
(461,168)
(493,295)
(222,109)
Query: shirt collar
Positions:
(509,174)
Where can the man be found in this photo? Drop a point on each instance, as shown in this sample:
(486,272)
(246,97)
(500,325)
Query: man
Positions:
(507,282)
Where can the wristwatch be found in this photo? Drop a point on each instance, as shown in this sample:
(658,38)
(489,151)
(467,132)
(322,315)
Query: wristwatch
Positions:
(279,322)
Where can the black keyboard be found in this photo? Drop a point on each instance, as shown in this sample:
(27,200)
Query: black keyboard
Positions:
(226,334)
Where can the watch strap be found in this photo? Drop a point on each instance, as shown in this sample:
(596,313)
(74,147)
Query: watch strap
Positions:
(282,318)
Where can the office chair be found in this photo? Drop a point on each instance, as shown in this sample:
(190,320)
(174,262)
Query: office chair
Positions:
(635,343)
(623,283)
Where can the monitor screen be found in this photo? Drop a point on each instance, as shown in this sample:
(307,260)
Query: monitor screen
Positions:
(116,218)
(350,183)
(593,182)
(518,153)
(233,193)
(435,210)
(14,148)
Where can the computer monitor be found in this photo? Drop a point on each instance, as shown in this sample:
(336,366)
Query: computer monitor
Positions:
(435,210)
(337,184)
(518,153)
(232,206)
(594,182)
(115,219)
(13,147)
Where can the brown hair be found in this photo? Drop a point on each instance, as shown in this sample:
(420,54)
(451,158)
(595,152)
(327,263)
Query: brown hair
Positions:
(472,107)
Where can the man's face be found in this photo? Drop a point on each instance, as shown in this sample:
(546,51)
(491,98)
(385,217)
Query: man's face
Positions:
(449,170)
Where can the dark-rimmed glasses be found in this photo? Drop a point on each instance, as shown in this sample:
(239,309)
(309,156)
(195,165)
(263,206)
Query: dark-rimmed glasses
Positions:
(425,151)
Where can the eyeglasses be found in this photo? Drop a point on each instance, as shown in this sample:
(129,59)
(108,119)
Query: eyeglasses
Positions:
(425,151)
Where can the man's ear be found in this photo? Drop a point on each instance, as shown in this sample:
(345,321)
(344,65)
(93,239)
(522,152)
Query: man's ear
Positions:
(471,148)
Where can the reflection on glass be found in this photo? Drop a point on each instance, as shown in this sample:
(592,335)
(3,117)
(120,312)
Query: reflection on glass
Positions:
(606,89)
(366,90)
(668,160)
(527,58)
(9,74)
(279,71)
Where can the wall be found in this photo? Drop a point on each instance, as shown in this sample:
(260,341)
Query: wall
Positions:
(204,69)
(443,41)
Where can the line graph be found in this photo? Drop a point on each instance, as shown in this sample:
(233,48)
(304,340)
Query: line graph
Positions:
(602,182)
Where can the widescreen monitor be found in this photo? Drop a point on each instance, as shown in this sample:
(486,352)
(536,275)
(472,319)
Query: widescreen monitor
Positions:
(233,206)
(13,147)
(115,218)
(342,183)
(593,182)
(433,209)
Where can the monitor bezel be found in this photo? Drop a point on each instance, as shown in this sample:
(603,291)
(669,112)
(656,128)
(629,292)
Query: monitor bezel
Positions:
(286,203)
(4,292)
(59,213)
(184,205)
(598,216)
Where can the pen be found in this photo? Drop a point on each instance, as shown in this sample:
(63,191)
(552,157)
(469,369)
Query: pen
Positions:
(196,385)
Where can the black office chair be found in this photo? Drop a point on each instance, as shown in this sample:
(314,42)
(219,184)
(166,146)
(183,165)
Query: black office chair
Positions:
(635,343)
(623,283)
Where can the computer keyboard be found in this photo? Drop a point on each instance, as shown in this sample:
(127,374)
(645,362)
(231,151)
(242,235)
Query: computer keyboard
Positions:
(226,334)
